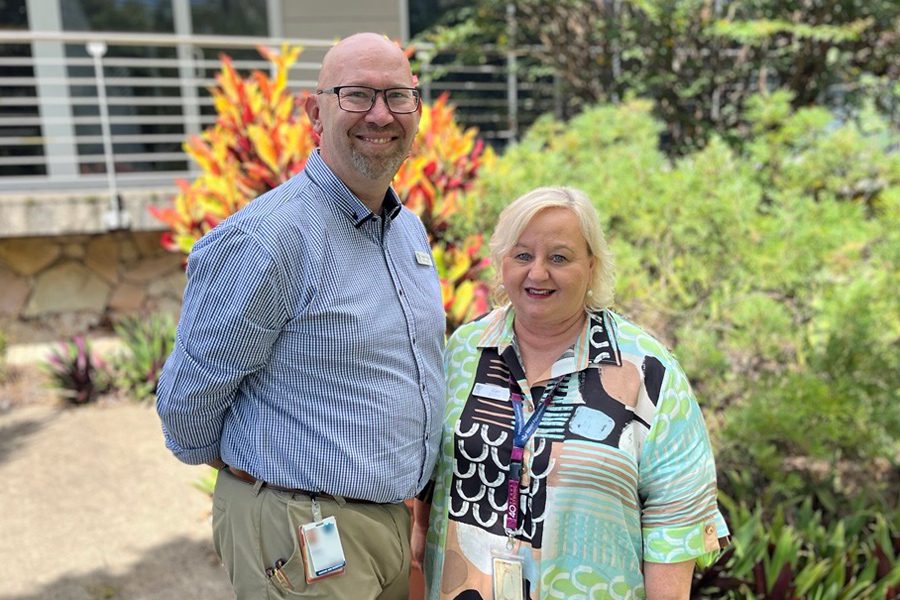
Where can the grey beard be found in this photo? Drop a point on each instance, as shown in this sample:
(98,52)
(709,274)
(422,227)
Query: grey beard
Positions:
(376,168)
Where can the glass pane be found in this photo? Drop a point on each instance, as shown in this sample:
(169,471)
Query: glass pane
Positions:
(19,103)
(142,89)
(137,121)
(145,16)
(13,14)
(230,17)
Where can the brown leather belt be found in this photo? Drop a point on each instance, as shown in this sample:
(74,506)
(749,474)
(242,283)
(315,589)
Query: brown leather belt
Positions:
(248,478)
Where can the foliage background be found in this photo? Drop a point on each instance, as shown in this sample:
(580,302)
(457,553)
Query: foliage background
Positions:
(768,260)
(700,60)
(761,245)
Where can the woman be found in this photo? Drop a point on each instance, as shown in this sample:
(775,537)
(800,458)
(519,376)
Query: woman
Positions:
(575,461)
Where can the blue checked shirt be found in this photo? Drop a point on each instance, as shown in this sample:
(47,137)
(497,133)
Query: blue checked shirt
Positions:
(309,346)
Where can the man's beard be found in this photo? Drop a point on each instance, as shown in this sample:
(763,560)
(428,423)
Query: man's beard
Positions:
(376,167)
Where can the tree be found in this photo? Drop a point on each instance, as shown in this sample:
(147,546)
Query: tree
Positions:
(699,60)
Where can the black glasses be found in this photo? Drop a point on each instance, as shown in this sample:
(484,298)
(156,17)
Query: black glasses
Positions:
(361,98)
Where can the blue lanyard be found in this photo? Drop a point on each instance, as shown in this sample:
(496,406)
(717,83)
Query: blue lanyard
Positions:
(521,435)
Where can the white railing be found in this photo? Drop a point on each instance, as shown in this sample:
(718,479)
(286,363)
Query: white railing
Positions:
(56,133)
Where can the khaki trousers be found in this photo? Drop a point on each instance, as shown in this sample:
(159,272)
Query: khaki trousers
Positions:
(253,527)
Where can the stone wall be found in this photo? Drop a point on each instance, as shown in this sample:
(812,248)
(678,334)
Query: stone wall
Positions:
(57,286)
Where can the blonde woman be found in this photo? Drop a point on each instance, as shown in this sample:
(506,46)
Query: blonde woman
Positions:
(575,461)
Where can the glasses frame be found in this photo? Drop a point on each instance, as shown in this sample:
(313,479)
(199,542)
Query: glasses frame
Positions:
(383,91)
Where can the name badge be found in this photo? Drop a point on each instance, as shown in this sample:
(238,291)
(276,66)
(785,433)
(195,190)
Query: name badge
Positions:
(423,259)
(492,391)
(507,577)
(323,554)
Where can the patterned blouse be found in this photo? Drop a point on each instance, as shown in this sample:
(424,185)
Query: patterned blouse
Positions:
(620,470)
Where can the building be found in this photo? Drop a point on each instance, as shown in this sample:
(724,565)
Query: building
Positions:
(96,98)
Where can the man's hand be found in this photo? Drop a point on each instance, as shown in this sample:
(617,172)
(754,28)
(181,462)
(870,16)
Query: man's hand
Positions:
(420,512)
(217,464)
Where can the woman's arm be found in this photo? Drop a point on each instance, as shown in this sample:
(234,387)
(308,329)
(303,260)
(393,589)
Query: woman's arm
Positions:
(668,581)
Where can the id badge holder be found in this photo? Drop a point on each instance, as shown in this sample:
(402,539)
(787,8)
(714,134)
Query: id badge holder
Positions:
(507,575)
(320,543)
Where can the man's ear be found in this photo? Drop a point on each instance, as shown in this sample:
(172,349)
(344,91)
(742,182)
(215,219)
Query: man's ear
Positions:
(312,111)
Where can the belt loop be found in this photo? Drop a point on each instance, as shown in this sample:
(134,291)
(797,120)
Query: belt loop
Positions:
(340,500)
(258,486)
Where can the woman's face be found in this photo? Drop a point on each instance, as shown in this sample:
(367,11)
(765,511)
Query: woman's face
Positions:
(547,271)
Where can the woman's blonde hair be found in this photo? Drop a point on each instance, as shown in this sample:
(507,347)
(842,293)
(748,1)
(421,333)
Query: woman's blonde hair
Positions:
(516,217)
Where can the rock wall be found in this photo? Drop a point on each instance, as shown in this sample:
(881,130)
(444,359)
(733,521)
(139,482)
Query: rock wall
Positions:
(57,286)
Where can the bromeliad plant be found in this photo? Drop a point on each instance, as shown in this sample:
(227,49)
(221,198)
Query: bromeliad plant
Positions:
(75,371)
(148,342)
(262,137)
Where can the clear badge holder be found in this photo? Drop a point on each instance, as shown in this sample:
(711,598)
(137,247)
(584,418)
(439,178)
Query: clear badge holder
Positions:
(507,574)
(320,542)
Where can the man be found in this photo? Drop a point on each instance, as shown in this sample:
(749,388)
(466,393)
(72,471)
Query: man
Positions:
(307,364)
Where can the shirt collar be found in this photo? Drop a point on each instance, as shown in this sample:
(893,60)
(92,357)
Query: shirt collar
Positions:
(345,200)
(596,344)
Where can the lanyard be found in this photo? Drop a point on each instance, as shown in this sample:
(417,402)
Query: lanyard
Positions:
(521,435)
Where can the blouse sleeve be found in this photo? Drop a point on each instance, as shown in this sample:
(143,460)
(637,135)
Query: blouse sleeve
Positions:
(680,519)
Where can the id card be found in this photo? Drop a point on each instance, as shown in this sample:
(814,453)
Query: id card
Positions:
(507,577)
(323,554)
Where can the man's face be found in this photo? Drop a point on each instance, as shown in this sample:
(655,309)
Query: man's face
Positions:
(367,147)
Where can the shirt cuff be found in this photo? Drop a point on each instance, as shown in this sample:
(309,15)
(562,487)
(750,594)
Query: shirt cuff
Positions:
(193,456)
(682,543)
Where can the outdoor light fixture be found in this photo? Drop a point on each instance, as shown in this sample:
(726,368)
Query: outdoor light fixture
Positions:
(115,217)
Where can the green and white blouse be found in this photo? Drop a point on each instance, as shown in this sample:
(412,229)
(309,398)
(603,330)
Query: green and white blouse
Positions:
(620,470)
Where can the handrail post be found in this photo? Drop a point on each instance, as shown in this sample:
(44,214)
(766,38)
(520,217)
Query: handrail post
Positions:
(512,82)
(53,99)
(115,217)
(424,74)
(189,56)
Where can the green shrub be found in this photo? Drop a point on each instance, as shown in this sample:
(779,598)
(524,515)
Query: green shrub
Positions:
(75,372)
(769,265)
(148,342)
(801,554)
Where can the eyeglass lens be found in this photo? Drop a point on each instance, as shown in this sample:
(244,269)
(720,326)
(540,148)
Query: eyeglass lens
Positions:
(362,99)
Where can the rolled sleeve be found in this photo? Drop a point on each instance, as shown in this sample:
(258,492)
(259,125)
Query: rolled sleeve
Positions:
(232,314)
(680,518)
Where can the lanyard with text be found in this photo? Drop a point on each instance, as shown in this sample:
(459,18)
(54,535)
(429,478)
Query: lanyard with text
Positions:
(521,436)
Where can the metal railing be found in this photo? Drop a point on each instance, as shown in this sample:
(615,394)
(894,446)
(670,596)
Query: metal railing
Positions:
(115,119)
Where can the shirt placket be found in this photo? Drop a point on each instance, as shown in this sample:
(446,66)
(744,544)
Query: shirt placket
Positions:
(403,298)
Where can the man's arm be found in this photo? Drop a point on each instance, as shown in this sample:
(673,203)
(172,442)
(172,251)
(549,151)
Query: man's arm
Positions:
(420,512)
(668,581)
(232,314)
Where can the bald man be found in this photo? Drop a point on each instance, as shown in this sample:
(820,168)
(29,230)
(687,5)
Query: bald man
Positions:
(307,364)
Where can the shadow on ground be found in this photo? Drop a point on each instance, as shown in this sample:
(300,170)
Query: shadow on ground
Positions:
(178,570)
(15,435)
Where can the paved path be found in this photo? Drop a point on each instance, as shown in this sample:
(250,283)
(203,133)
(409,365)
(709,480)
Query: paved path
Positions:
(92,506)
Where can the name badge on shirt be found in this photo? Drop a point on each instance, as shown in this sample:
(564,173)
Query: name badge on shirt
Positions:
(423,259)
(489,390)
(507,577)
